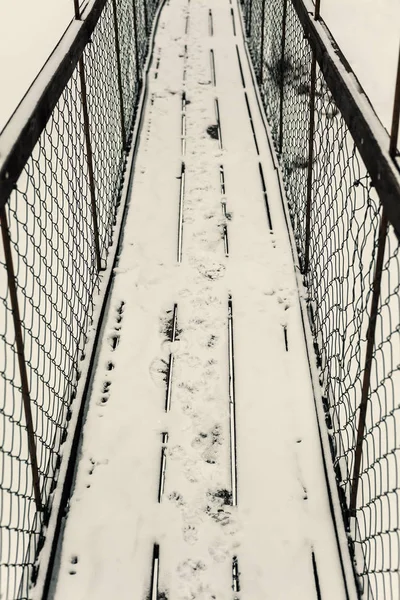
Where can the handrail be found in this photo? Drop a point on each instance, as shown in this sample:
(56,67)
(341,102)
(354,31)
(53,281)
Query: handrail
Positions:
(63,156)
(23,130)
(341,177)
(371,138)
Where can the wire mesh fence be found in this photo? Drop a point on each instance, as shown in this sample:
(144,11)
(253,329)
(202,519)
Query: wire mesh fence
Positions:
(348,248)
(57,210)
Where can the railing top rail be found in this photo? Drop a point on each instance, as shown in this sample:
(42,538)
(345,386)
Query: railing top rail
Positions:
(370,137)
(23,130)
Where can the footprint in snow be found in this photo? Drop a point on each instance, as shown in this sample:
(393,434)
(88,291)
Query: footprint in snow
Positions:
(190,534)
(190,468)
(188,410)
(190,388)
(177,452)
(219,552)
(189,465)
(177,499)
(158,371)
(209,442)
(190,359)
(187,569)
(213,271)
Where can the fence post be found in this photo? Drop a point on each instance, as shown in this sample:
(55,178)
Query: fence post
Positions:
(119,73)
(261,73)
(376,289)
(249,16)
(146,18)
(135,30)
(19,342)
(77,10)
(89,153)
(282,75)
(310,162)
(317,12)
(394,135)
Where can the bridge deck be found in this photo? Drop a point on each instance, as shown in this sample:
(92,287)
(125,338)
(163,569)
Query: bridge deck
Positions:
(201,474)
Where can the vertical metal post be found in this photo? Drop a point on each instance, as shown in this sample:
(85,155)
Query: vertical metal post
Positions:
(232,404)
(261,73)
(394,135)
(376,289)
(310,161)
(146,18)
(119,73)
(89,153)
(135,33)
(282,75)
(249,17)
(19,342)
(317,13)
(77,9)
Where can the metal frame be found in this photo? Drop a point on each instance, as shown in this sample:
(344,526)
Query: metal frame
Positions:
(19,343)
(18,138)
(372,141)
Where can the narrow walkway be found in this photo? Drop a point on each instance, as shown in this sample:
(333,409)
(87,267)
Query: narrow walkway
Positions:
(201,476)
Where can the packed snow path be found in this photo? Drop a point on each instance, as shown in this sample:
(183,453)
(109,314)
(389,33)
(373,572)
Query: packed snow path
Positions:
(201,474)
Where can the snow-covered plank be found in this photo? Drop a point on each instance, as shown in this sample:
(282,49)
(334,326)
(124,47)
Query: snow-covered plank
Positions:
(263,528)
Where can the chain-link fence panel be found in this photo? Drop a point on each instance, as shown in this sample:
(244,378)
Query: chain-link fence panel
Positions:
(130,72)
(376,528)
(272,62)
(57,226)
(349,256)
(256,30)
(51,238)
(294,121)
(141,18)
(100,71)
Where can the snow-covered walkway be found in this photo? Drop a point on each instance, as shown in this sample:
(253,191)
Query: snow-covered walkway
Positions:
(201,474)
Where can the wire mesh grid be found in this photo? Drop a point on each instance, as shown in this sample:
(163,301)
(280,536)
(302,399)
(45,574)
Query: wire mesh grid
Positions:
(48,227)
(130,70)
(255,32)
(294,120)
(51,235)
(151,9)
(271,62)
(377,527)
(141,18)
(338,238)
(100,66)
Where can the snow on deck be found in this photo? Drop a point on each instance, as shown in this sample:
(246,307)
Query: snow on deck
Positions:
(201,475)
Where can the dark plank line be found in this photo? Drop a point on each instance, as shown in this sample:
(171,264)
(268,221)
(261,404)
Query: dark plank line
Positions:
(235,574)
(180,217)
(232,402)
(155,573)
(233,22)
(218,117)
(251,122)
(163,466)
(210,23)
(240,67)
(264,189)
(316,578)
(212,67)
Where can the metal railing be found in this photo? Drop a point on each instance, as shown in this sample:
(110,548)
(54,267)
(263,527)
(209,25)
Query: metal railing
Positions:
(62,161)
(341,175)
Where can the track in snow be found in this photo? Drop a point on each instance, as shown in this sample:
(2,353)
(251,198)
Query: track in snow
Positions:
(196,406)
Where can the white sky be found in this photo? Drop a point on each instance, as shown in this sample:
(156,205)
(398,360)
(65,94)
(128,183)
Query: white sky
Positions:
(367,31)
(29,30)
